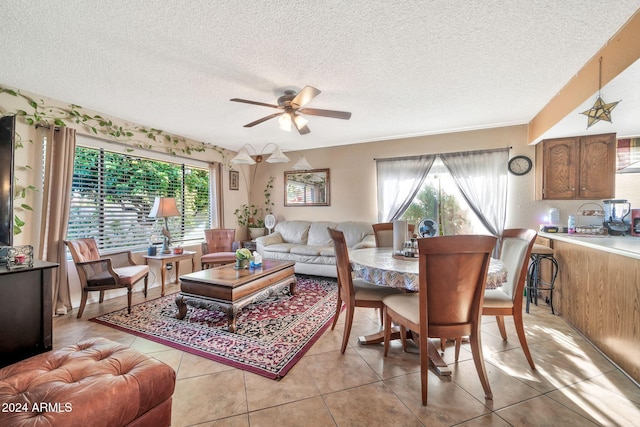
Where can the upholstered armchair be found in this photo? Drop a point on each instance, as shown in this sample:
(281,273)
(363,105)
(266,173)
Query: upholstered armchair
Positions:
(102,273)
(219,247)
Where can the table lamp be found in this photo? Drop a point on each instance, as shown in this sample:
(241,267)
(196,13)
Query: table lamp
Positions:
(164,207)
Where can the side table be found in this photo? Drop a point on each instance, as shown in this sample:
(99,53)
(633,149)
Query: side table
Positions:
(165,259)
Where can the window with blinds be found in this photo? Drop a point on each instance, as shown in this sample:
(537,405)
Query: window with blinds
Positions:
(113,193)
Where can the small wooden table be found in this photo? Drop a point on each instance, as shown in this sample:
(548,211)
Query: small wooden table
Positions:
(229,289)
(165,259)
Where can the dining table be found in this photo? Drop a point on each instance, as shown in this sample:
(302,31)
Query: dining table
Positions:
(382,267)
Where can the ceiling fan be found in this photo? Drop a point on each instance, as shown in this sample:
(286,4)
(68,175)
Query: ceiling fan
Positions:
(292,104)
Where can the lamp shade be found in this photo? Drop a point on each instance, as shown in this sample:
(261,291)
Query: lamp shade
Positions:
(164,207)
(243,158)
(302,165)
(278,156)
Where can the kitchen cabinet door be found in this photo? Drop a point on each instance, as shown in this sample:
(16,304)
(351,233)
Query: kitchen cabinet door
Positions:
(597,167)
(577,168)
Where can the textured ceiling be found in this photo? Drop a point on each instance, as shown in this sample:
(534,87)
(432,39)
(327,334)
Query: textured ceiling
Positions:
(402,68)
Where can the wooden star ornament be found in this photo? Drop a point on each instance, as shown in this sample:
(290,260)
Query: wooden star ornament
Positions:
(599,111)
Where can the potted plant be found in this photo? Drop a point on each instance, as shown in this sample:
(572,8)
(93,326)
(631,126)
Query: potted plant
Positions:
(252,217)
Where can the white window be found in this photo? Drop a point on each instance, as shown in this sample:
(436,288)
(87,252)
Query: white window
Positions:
(113,193)
(440,199)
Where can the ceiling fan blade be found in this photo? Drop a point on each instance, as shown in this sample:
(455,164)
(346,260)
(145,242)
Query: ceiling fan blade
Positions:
(344,115)
(305,95)
(264,119)
(246,101)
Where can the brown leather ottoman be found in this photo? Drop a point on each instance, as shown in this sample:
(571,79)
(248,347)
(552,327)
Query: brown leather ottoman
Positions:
(94,383)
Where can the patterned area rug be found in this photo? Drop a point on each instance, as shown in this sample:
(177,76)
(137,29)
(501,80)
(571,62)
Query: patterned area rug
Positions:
(272,335)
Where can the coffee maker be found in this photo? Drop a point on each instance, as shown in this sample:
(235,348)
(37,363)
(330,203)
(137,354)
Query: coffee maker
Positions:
(615,211)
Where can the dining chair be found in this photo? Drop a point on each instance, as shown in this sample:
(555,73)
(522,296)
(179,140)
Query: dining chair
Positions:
(517,244)
(353,292)
(383,233)
(219,247)
(452,275)
(102,273)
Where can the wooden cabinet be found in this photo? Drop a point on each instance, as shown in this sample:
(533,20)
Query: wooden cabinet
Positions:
(581,167)
(26,312)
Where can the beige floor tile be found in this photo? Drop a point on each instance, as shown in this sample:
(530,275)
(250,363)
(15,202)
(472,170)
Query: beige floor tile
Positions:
(598,404)
(208,397)
(309,412)
(507,389)
(171,357)
(333,371)
(489,420)
(263,392)
(369,405)
(542,411)
(194,366)
(395,364)
(447,403)
(236,421)
(617,382)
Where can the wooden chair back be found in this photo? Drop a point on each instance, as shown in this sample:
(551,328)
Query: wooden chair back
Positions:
(515,252)
(219,240)
(452,276)
(343,266)
(383,232)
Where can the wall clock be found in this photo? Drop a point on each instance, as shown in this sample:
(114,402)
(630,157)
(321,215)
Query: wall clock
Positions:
(520,165)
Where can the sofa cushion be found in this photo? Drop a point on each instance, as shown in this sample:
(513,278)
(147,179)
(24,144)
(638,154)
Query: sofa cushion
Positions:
(294,231)
(354,231)
(318,234)
(312,250)
(281,247)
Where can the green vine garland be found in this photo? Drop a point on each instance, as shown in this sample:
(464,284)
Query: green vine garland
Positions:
(98,125)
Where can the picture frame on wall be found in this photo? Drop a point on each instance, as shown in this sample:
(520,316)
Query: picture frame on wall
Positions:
(234,180)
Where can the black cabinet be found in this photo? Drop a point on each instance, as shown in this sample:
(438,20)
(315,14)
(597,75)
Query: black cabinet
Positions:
(25,311)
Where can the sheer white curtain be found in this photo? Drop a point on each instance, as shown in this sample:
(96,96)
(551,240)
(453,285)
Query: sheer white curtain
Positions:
(481,177)
(399,180)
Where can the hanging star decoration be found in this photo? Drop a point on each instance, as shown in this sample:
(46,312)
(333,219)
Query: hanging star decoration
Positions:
(601,110)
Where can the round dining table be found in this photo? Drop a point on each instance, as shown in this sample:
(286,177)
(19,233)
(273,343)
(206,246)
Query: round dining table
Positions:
(379,266)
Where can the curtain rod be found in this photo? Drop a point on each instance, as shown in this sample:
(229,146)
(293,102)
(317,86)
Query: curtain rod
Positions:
(38,125)
(442,154)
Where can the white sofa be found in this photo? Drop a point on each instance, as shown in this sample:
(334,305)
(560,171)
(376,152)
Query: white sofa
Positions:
(309,245)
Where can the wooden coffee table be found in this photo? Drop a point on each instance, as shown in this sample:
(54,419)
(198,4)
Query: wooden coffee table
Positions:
(229,289)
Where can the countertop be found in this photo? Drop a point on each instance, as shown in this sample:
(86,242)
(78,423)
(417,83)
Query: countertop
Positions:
(622,245)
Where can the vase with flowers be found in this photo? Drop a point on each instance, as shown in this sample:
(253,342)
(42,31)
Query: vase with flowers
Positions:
(243,256)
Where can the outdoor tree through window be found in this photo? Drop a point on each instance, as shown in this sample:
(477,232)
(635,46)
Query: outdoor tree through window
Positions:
(113,193)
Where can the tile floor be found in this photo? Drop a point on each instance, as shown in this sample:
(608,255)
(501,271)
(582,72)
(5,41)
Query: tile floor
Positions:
(573,385)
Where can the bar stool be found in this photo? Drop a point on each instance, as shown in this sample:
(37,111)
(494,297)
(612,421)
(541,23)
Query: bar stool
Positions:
(540,253)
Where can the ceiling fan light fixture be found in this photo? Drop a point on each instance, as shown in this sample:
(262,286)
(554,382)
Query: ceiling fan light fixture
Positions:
(278,156)
(300,121)
(243,158)
(285,122)
(302,165)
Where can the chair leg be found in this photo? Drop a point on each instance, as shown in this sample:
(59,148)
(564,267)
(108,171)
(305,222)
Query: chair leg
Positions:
(347,327)
(381,316)
(83,302)
(129,299)
(517,319)
(101,297)
(403,337)
(443,343)
(146,283)
(503,331)
(424,367)
(476,350)
(458,343)
(338,308)
(387,331)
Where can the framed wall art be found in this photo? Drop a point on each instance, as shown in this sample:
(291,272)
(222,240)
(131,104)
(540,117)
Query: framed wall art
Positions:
(234,180)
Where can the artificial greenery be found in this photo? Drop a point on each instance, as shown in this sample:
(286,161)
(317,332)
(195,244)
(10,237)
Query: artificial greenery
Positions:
(40,114)
(253,216)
